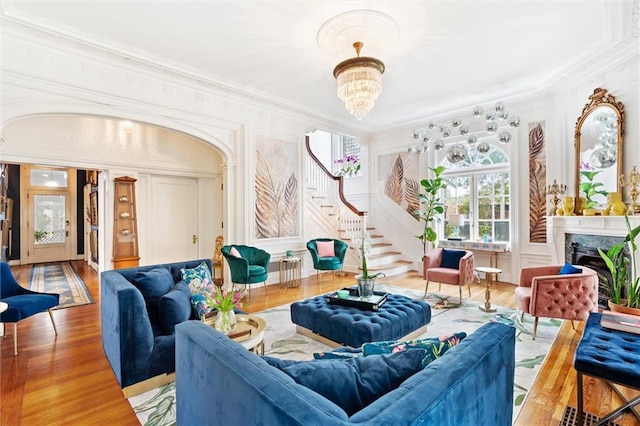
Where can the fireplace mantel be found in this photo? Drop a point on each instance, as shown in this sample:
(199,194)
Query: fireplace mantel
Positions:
(591,225)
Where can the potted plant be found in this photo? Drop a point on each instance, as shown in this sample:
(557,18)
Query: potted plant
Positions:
(624,291)
(366,282)
(432,207)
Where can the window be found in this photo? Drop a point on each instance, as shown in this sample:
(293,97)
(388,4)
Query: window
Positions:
(479,189)
(347,161)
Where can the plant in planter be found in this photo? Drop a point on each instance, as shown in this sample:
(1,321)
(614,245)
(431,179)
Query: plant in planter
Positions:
(366,282)
(623,290)
(432,206)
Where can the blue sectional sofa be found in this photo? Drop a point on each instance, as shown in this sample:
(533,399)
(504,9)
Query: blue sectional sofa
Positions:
(220,382)
(137,333)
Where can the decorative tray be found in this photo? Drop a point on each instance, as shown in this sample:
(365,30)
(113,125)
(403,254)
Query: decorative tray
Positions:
(247,326)
(372,303)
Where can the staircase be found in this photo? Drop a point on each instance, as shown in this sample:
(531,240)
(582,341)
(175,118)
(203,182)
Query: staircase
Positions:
(339,219)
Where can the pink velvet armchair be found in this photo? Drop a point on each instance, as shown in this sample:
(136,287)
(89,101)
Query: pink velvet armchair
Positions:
(543,292)
(453,271)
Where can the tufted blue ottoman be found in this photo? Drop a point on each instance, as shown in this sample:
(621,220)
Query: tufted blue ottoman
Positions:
(399,318)
(610,355)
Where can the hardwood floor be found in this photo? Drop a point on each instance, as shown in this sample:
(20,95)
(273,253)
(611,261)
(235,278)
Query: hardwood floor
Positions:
(66,379)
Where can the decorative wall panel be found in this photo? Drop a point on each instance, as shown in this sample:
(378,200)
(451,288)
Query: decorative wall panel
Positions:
(537,183)
(276,188)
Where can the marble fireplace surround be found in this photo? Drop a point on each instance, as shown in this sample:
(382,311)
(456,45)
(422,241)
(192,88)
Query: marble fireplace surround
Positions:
(604,230)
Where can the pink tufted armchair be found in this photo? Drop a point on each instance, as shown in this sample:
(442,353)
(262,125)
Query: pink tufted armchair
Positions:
(543,292)
(434,270)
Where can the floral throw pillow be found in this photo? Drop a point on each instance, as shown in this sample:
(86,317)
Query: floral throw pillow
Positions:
(199,280)
(434,347)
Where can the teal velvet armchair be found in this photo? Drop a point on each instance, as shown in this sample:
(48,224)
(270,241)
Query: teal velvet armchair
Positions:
(327,261)
(250,267)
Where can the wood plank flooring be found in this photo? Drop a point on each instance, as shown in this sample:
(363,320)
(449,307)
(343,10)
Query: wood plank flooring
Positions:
(66,379)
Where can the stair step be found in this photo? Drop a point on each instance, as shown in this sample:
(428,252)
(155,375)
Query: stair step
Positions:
(384,254)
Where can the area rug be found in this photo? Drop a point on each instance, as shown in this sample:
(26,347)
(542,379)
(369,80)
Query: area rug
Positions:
(157,407)
(60,278)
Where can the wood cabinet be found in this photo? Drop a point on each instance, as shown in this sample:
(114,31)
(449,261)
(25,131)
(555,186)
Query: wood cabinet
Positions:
(125,229)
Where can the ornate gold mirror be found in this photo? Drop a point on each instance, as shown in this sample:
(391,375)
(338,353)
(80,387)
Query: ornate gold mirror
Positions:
(598,142)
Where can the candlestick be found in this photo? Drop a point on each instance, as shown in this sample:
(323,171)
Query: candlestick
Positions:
(554,189)
(634,182)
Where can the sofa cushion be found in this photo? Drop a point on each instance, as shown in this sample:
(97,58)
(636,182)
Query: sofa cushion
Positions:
(569,269)
(153,284)
(434,347)
(174,307)
(451,258)
(352,384)
(198,277)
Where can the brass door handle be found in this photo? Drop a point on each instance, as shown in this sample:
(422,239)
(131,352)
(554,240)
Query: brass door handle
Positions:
(195,238)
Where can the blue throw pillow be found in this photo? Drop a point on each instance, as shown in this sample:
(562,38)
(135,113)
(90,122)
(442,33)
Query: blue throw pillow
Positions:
(153,284)
(569,269)
(434,347)
(352,384)
(174,307)
(451,258)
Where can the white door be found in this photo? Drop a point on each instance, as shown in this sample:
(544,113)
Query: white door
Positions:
(48,226)
(174,219)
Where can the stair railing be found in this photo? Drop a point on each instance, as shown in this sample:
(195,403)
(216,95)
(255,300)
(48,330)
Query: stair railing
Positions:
(352,221)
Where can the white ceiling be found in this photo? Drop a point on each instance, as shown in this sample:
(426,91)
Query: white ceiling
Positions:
(449,53)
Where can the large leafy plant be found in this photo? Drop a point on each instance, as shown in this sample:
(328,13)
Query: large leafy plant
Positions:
(432,206)
(618,264)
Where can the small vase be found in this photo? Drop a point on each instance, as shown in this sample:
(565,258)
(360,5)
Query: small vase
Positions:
(225,321)
(365,287)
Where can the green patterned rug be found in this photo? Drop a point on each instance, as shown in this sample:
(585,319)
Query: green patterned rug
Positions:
(60,278)
(157,407)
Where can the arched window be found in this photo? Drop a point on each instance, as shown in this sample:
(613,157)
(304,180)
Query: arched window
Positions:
(479,190)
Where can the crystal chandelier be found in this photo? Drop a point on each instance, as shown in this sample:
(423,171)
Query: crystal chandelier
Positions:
(359,82)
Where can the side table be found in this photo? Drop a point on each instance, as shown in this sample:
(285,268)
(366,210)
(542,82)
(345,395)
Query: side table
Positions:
(612,356)
(249,331)
(290,272)
(490,276)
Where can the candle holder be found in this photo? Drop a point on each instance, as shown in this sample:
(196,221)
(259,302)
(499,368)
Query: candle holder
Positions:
(554,189)
(634,182)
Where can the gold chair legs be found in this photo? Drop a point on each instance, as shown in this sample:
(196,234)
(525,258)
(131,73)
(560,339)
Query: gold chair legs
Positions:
(15,332)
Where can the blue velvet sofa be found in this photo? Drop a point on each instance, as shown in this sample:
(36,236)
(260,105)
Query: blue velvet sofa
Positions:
(137,334)
(220,382)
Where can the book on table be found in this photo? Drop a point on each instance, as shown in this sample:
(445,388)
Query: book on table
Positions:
(620,321)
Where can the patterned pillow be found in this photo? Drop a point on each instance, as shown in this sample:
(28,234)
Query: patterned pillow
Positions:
(434,347)
(199,280)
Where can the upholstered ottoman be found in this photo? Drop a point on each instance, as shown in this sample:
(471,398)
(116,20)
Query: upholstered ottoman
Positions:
(612,356)
(399,318)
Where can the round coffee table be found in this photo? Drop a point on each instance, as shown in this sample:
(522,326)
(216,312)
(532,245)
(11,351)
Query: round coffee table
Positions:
(491,275)
(249,331)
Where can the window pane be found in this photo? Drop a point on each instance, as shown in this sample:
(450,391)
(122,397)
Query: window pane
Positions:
(502,231)
(485,230)
(484,208)
(48,178)
(49,219)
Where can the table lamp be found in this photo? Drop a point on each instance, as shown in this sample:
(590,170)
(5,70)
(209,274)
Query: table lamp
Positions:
(456,220)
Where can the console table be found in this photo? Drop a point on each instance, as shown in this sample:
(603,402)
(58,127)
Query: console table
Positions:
(492,248)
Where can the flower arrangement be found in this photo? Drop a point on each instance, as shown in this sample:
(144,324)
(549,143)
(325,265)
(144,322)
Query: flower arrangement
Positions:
(587,186)
(349,166)
(223,300)
(364,245)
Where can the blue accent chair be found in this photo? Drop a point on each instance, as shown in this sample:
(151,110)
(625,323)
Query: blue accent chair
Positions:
(251,268)
(332,263)
(22,303)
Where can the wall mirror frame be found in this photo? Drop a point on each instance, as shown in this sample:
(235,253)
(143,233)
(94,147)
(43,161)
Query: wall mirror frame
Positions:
(598,148)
